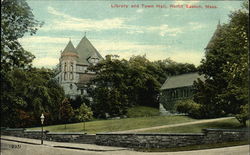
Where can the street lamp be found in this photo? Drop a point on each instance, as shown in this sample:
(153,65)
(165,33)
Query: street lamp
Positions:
(42,120)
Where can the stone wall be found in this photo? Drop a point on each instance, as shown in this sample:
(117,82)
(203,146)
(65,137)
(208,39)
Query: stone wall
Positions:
(168,140)
(136,140)
(73,137)
(148,140)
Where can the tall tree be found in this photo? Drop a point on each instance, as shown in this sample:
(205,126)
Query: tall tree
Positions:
(16,20)
(225,66)
(66,112)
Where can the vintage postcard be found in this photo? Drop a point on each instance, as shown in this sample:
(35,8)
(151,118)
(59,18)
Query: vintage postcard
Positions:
(124,77)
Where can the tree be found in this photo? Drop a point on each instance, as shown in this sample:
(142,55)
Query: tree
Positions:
(110,92)
(32,92)
(225,67)
(66,112)
(84,113)
(121,84)
(243,116)
(168,67)
(16,20)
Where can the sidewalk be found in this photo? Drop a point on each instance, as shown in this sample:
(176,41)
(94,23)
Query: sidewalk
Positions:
(88,147)
(174,125)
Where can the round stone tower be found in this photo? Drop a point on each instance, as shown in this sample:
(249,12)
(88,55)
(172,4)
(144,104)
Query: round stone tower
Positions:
(67,67)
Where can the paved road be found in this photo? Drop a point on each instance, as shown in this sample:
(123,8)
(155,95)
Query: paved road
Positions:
(17,148)
(175,125)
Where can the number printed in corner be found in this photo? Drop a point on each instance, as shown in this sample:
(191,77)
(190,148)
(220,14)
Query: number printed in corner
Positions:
(12,146)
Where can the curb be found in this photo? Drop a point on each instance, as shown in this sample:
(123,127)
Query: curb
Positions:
(66,147)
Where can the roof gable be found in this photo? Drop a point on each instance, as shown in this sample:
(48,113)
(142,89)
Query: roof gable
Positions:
(85,50)
(182,80)
(214,37)
(69,48)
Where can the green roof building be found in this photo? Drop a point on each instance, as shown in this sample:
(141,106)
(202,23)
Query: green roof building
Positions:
(176,88)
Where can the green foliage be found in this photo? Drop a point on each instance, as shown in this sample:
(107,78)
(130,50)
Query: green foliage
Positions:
(168,67)
(142,111)
(189,107)
(16,20)
(121,84)
(244,115)
(28,94)
(226,69)
(66,112)
(84,113)
(78,101)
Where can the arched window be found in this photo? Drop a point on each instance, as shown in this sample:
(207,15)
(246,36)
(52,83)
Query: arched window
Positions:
(65,76)
(71,86)
(65,67)
(71,67)
(71,76)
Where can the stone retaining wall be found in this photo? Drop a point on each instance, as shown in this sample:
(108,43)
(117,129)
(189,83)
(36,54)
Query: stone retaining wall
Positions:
(148,140)
(136,140)
(73,137)
(169,140)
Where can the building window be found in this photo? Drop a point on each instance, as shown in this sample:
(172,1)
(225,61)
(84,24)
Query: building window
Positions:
(71,67)
(71,86)
(60,67)
(65,76)
(71,76)
(82,91)
(65,67)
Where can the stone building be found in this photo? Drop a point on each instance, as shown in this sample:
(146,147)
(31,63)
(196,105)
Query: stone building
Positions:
(176,88)
(72,71)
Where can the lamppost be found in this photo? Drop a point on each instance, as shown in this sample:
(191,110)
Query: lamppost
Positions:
(42,120)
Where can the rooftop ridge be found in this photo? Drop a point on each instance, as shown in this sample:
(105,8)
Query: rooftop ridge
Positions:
(69,48)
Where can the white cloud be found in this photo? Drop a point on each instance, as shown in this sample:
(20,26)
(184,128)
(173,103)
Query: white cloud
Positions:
(153,52)
(196,25)
(186,56)
(165,30)
(123,46)
(80,24)
(46,62)
(135,31)
(139,11)
(43,39)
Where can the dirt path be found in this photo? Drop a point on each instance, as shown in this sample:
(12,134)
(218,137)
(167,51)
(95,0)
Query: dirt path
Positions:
(175,125)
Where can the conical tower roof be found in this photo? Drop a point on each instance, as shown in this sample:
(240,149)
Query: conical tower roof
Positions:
(214,37)
(69,48)
(85,50)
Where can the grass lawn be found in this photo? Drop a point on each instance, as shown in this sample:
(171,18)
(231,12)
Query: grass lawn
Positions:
(142,111)
(196,128)
(119,124)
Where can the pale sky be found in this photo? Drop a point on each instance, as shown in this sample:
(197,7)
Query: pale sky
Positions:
(177,33)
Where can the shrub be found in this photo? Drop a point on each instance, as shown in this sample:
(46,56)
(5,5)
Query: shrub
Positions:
(244,114)
(189,107)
